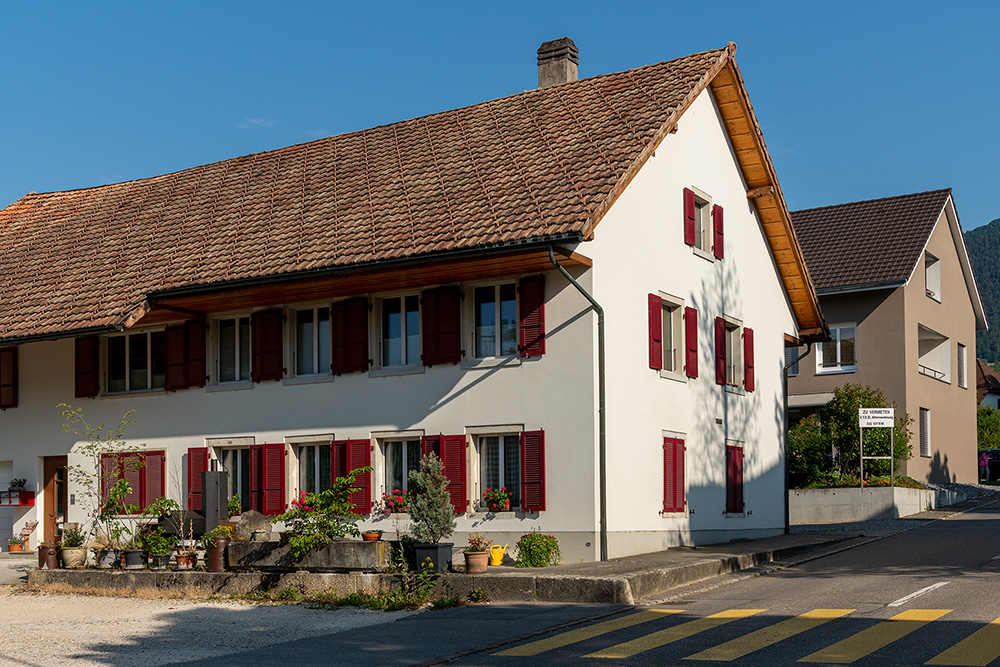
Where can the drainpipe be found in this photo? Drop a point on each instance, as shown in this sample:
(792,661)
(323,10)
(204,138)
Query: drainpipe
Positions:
(784,378)
(601,417)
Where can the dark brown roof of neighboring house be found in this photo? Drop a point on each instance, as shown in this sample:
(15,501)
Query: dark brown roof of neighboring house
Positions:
(867,243)
(987,380)
(536,167)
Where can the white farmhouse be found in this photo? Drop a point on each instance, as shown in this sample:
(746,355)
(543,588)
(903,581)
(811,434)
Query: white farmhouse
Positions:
(435,284)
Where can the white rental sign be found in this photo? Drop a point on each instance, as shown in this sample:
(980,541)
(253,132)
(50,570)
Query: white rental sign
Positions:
(875,417)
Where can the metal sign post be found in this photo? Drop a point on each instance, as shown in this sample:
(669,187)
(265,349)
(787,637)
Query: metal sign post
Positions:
(877,418)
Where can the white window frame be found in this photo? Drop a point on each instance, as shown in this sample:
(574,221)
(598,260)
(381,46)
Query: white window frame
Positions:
(672,328)
(406,440)
(734,352)
(317,367)
(217,348)
(932,277)
(127,335)
(703,228)
(835,335)
(479,439)
(380,331)
(474,319)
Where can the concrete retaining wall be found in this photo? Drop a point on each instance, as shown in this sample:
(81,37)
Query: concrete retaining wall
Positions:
(809,506)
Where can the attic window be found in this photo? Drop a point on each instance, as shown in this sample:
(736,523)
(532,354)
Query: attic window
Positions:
(932,276)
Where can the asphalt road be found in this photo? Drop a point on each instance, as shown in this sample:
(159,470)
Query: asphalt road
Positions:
(927,596)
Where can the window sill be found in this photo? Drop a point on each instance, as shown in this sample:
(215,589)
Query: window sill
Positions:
(490,362)
(307,379)
(132,394)
(673,515)
(733,389)
(735,515)
(485,514)
(391,371)
(229,386)
(676,377)
(836,371)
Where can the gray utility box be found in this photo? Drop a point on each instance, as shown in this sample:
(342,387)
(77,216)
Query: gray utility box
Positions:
(215,498)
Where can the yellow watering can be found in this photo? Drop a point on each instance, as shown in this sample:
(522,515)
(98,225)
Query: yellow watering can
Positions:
(496,554)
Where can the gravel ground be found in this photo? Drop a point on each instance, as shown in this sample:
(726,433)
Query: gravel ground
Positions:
(53,629)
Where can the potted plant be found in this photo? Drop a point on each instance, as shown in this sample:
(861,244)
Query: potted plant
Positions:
(373,535)
(72,549)
(168,511)
(14,543)
(477,554)
(431,514)
(134,554)
(215,542)
(396,501)
(48,555)
(157,544)
(17,484)
(111,532)
(497,500)
(234,508)
(313,519)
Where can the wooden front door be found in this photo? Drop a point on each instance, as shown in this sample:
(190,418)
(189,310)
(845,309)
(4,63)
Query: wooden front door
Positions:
(55,496)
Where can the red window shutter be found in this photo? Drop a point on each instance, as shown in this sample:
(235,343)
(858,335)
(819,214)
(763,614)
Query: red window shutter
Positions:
(109,474)
(197,464)
(717,246)
(176,358)
(194,353)
(350,336)
(673,475)
(690,210)
(453,458)
(338,459)
(359,455)
(256,492)
(720,350)
(748,372)
(734,479)
(154,483)
(272,477)
(429,325)
(691,342)
(131,469)
(88,362)
(655,332)
(533,471)
(8,378)
(268,360)
(430,443)
(532,316)
(442,322)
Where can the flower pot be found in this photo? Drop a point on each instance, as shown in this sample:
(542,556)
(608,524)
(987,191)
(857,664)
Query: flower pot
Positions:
(73,557)
(134,559)
(371,537)
(215,556)
(48,557)
(159,561)
(440,555)
(109,558)
(498,507)
(475,561)
(186,561)
(15,547)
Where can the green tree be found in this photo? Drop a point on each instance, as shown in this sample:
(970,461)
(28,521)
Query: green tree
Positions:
(988,427)
(810,461)
(431,510)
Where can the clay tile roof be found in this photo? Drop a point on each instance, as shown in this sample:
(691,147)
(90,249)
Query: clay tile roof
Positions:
(987,380)
(867,242)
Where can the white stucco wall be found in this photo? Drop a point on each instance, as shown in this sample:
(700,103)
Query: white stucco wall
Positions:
(639,249)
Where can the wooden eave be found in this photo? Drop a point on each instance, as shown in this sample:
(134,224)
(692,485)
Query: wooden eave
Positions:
(217,299)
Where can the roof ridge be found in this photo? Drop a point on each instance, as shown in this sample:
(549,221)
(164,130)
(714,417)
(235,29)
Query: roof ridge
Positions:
(872,201)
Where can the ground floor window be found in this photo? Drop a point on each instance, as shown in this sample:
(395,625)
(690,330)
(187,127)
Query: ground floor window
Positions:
(500,465)
(237,462)
(734,478)
(401,458)
(314,468)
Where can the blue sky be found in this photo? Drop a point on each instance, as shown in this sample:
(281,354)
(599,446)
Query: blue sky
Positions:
(856,100)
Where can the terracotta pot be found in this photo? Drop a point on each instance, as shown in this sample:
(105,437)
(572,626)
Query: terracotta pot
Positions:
(186,561)
(371,537)
(499,507)
(48,557)
(475,561)
(15,547)
(73,557)
(215,556)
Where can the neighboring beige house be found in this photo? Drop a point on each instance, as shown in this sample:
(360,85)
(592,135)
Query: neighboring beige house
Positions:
(897,289)
(425,286)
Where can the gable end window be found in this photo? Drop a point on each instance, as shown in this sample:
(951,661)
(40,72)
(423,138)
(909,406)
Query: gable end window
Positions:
(703,224)
(667,352)
(839,354)
(932,276)
(734,354)
(8,378)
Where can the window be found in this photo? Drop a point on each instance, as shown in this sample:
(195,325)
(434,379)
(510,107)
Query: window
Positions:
(734,355)
(314,468)
(500,465)
(348,455)
(234,350)
(961,367)
(703,224)
(400,331)
(401,458)
(792,360)
(8,378)
(237,462)
(673,474)
(256,472)
(496,321)
(925,432)
(146,471)
(839,353)
(350,336)
(673,336)
(932,276)
(734,478)
(312,341)
(136,362)
(935,354)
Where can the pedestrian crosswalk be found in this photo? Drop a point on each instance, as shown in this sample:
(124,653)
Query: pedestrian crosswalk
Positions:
(977,646)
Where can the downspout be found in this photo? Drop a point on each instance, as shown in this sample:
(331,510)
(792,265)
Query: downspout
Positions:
(784,378)
(601,418)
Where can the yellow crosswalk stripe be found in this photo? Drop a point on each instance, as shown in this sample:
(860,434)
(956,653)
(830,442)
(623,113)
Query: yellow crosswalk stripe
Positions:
(977,650)
(668,635)
(741,646)
(876,637)
(588,632)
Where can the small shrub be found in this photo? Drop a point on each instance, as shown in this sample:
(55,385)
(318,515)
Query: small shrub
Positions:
(431,511)
(537,550)
(446,602)
(478,595)
(478,543)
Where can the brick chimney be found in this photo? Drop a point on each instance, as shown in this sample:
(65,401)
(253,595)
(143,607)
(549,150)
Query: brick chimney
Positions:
(557,62)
